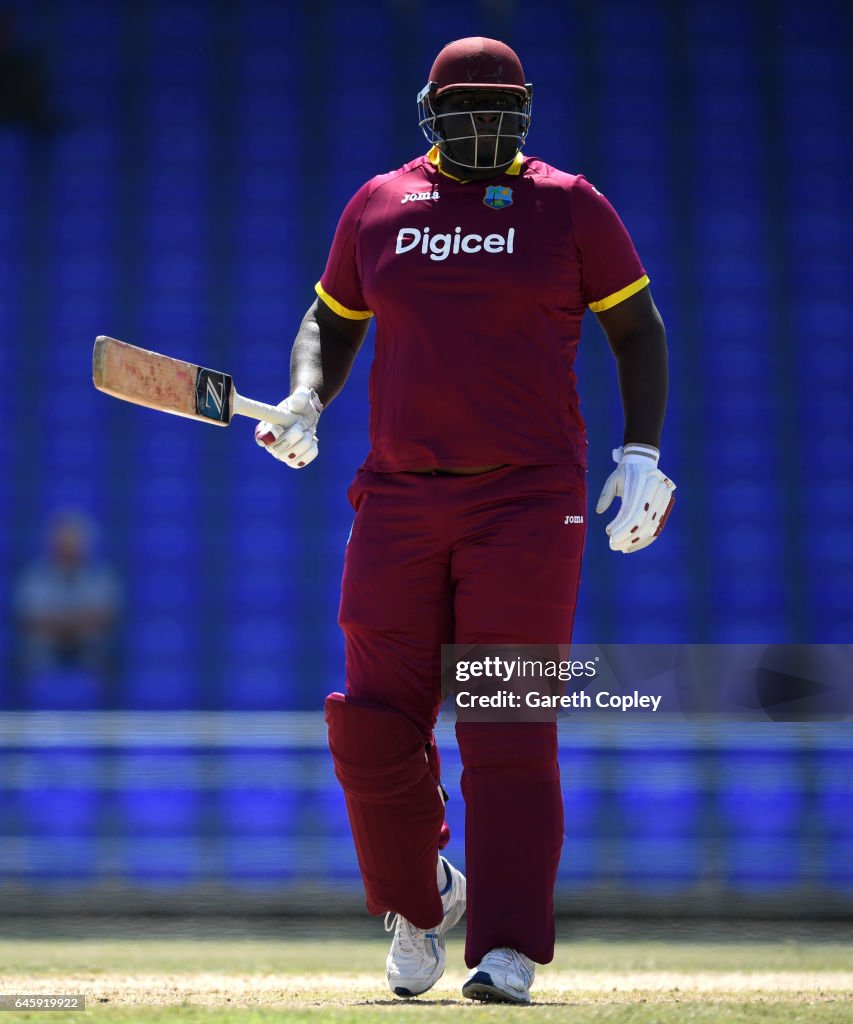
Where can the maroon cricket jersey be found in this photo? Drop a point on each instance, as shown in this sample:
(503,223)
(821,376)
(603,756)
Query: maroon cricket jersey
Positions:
(478,289)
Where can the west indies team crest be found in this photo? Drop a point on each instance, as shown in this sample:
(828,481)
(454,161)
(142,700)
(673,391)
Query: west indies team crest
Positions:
(497,196)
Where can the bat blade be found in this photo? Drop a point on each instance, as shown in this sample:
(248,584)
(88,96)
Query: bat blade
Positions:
(172,385)
(160,382)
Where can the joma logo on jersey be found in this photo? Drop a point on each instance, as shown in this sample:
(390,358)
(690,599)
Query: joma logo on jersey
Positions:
(439,247)
(413,197)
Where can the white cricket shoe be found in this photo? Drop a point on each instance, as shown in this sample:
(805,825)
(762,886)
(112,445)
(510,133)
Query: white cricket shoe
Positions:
(417,956)
(502,976)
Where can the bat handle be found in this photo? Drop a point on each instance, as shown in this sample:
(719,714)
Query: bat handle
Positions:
(260,411)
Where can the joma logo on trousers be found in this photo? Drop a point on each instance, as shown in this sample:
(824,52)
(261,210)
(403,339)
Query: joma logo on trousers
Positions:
(439,247)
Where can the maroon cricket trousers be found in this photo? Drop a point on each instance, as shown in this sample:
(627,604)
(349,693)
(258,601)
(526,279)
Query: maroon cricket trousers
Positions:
(487,559)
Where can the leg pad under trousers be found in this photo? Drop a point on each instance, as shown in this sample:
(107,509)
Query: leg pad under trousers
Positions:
(395,809)
(513,836)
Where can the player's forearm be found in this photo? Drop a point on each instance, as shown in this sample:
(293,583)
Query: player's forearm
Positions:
(321,357)
(643,383)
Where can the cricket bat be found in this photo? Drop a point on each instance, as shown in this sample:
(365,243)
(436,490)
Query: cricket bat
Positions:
(172,385)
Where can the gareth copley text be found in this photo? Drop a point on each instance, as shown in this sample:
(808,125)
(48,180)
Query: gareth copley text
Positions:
(576,701)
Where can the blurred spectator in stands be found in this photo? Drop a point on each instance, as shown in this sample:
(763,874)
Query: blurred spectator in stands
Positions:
(24,89)
(68,604)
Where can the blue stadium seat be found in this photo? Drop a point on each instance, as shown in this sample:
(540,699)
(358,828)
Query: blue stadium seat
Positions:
(659,793)
(337,861)
(751,547)
(168,450)
(834,774)
(659,803)
(760,865)
(834,413)
(581,861)
(256,810)
(740,274)
(657,586)
(761,803)
(149,811)
(160,683)
(734,358)
(667,629)
(264,636)
(362,24)
(662,865)
(827,547)
(64,690)
(61,863)
(165,863)
(175,226)
(160,795)
(329,799)
(181,25)
(260,810)
(277,542)
(163,542)
(259,863)
(762,792)
(580,772)
(255,591)
(820,228)
(65,798)
(259,683)
(746,494)
(746,591)
(165,588)
(164,636)
(838,866)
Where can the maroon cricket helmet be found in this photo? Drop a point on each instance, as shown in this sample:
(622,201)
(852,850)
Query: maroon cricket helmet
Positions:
(477,63)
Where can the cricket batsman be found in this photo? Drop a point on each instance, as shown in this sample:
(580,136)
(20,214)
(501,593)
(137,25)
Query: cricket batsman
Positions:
(478,263)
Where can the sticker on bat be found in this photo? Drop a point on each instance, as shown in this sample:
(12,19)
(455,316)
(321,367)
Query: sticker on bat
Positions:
(213,395)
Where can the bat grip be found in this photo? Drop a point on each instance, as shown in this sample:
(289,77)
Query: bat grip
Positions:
(260,411)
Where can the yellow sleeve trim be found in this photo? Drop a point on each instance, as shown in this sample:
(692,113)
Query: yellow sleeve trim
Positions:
(620,296)
(336,307)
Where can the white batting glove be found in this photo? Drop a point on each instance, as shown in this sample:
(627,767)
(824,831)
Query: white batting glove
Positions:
(297,444)
(646,495)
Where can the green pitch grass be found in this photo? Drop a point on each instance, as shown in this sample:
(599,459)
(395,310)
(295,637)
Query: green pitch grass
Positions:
(317,979)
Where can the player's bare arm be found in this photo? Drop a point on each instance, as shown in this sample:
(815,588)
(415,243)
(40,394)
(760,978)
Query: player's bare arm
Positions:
(637,337)
(320,361)
(324,350)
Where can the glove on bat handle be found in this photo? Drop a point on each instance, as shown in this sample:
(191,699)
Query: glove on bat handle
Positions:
(260,411)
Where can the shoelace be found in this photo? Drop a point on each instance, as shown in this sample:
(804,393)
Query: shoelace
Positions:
(404,930)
